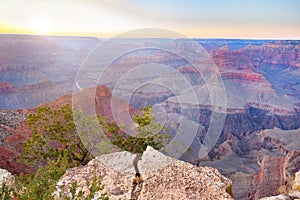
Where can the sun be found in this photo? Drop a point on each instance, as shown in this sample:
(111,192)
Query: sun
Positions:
(42,24)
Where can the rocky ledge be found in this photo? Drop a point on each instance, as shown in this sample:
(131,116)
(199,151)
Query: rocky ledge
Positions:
(162,177)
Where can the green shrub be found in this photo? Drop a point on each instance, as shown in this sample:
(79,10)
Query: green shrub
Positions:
(5,191)
(148,133)
(54,135)
(41,184)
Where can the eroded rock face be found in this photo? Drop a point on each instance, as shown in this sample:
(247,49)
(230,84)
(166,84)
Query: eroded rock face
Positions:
(13,133)
(293,194)
(163,177)
(258,163)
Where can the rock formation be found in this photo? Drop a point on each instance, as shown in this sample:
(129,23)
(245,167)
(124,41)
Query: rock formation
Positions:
(6,177)
(258,163)
(293,194)
(13,132)
(162,177)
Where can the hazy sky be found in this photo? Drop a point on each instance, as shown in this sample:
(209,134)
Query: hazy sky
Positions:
(193,18)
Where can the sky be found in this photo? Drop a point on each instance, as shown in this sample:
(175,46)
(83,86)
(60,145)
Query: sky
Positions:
(253,19)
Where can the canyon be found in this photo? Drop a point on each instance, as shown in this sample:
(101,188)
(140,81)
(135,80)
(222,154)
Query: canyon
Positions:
(258,113)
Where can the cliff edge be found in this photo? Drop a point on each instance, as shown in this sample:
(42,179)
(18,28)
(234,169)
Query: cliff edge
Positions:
(162,177)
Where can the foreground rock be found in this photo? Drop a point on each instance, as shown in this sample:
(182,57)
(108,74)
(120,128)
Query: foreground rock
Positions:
(162,178)
(6,177)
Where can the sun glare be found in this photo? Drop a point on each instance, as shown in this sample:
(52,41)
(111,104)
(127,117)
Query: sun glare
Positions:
(42,24)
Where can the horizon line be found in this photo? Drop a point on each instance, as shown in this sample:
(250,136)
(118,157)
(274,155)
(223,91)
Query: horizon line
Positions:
(116,36)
